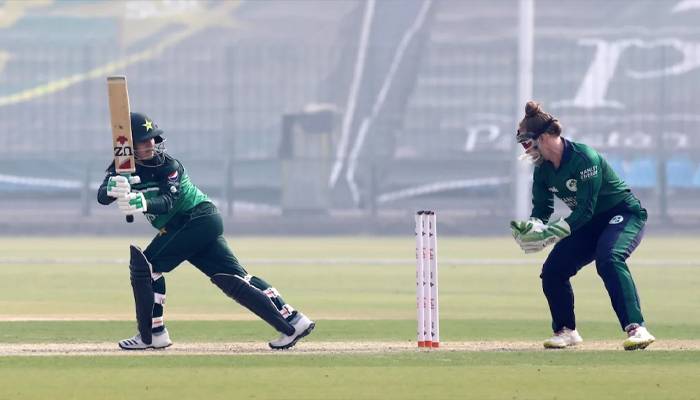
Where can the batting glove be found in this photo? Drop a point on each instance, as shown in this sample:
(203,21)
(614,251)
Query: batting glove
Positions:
(118,186)
(132,203)
(535,240)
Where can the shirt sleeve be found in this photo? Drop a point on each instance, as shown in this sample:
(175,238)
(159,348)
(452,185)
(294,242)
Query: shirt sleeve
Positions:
(169,189)
(589,178)
(542,198)
(102,197)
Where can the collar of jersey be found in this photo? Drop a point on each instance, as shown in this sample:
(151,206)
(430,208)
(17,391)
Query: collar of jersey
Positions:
(566,154)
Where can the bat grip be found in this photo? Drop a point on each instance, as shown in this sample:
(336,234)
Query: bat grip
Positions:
(129,218)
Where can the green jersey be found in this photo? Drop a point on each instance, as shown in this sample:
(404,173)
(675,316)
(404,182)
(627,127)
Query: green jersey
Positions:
(584,181)
(167,188)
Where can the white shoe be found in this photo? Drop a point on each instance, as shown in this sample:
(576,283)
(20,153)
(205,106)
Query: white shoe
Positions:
(159,340)
(638,338)
(563,338)
(302,327)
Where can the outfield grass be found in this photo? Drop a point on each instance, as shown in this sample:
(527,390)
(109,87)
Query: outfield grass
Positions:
(352,302)
(397,376)
(342,291)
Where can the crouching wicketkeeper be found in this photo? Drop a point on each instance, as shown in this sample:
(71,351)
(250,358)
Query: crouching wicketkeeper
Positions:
(606,225)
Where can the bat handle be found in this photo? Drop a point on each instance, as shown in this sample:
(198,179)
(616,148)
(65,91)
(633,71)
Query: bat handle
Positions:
(130,218)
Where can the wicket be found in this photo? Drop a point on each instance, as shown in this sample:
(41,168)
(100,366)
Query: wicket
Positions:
(427,305)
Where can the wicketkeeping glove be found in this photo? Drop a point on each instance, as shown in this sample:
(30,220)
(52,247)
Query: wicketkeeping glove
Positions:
(132,203)
(519,228)
(535,240)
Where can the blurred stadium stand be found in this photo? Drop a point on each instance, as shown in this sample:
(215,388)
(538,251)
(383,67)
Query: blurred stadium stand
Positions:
(437,94)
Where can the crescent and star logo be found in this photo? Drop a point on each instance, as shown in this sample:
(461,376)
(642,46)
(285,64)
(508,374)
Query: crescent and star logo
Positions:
(616,219)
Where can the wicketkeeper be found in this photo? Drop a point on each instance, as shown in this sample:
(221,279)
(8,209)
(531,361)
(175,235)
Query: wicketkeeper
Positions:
(606,224)
(189,228)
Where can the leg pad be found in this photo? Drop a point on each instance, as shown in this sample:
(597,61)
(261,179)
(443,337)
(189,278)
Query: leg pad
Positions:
(142,285)
(253,299)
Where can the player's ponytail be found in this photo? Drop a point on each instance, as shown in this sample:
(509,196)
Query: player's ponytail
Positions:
(538,122)
(532,108)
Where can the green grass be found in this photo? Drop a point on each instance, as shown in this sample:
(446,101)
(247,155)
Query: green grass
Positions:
(327,330)
(669,294)
(519,375)
(351,302)
(675,248)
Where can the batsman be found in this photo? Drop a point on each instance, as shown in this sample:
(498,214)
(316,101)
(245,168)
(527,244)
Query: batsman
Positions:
(189,229)
(606,225)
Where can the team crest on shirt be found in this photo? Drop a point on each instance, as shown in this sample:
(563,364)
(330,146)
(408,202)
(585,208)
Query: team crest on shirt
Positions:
(616,219)
(571,185)
(173,176)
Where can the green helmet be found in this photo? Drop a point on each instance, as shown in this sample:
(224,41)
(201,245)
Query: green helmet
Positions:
(143,128)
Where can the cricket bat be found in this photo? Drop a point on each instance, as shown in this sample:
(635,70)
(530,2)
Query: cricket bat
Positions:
(122,140)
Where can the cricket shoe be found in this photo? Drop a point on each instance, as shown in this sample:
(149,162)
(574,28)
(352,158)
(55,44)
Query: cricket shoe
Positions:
(159,340)
(563,338)
(302,327)
(638,338)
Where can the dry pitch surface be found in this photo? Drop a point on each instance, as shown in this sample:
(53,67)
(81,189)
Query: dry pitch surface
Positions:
(316,348)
